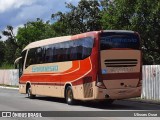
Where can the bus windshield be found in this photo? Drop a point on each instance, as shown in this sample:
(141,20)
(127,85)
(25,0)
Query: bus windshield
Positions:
(109,40)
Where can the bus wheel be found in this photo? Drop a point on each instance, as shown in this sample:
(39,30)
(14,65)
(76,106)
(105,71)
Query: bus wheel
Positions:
(69,96)
(29,93)
(108,102)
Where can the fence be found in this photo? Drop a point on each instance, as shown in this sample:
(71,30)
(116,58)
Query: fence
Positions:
(9,77)
(151,82)
(150,85)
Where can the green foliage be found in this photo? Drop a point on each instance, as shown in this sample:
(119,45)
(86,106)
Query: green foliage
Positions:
(2,52)
(81,18)
(10,50)
(142,16)
(33,31)
(7,66)
(10,46)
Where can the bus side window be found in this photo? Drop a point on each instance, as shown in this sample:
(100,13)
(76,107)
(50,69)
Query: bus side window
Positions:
(49,54)
(39,56)
(31,59)
(79,52)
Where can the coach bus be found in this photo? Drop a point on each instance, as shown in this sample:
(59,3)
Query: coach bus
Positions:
(98,65)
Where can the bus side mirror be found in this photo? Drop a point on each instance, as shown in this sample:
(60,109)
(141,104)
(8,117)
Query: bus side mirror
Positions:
(16,62)
(18,65)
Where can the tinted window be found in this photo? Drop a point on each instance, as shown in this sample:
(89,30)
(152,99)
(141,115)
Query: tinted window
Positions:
(38,54)
(119,40)
(31,58)
(66,51)
(48,55)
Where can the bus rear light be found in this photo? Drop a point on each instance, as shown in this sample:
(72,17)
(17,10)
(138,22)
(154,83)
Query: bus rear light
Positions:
(101,85)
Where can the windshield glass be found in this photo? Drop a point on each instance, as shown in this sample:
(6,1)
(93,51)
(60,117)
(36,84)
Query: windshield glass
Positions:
(111,40)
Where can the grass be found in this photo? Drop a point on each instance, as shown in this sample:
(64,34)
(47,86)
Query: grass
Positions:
(7,66)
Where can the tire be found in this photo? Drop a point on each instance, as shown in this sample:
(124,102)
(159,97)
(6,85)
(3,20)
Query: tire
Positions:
(29,93)
(69,96)
(108,102)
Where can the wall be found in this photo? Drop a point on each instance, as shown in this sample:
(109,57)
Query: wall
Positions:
(9,77)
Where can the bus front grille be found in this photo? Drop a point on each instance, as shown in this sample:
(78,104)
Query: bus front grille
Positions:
(120,62)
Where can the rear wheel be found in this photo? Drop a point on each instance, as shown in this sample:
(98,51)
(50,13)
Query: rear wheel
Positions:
(108,102)
(69,96)
(29,93)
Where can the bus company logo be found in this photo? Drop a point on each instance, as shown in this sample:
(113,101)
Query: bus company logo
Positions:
(6,114)
(121,70)
(45,68)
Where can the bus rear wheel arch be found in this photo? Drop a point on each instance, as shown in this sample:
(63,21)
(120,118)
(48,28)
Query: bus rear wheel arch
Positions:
(69,95)
(29,91)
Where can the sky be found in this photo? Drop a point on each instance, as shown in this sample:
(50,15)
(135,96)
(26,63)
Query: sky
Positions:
(18,12)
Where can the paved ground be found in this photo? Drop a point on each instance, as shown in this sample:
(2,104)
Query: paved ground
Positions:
(11,100)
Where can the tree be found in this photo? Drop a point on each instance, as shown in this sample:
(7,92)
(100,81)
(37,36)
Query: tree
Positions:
(2,52)
(10,45)
(142,16)
(82,18)
(10,35)
(33,31)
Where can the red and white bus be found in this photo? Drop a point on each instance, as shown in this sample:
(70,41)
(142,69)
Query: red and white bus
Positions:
(97,65)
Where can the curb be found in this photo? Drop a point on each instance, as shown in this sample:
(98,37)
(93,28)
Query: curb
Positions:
(144,101)
(9,87)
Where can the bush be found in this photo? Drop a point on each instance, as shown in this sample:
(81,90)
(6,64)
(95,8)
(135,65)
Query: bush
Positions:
(7,66)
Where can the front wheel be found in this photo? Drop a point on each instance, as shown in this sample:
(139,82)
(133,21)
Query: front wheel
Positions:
(69,96)
(29,93)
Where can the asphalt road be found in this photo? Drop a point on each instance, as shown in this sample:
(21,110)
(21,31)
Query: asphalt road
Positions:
(12,100)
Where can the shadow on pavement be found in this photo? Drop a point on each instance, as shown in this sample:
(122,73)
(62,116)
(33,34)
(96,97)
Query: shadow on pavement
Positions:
(92,104)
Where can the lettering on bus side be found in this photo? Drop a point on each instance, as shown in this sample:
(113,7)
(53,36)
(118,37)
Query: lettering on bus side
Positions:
(121,70)
(45,68)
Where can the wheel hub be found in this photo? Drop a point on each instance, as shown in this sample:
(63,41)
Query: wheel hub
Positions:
(69,95)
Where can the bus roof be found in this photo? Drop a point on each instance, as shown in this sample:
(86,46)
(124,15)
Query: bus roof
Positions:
(47,42)
(56,40)
(66,38)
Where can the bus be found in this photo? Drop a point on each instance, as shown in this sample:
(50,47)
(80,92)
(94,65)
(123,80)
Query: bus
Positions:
(101,65)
